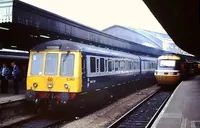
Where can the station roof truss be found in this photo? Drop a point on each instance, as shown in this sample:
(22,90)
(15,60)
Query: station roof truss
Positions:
(23,26)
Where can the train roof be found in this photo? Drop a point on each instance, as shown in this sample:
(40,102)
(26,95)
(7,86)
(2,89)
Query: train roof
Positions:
(66,45)
(148,58)
(175,56)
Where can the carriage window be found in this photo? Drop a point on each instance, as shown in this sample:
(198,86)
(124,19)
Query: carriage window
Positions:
(138,65)
(92,64)
(146,65)
(113,65)
(125,66)
(129,65)
(122,65)
(150,65)
(106,65)
(142,65)
(37,63)
(110,65)
(101,64)
(133,65)
(67,65)
(116,65)
(51,66)
(97,65)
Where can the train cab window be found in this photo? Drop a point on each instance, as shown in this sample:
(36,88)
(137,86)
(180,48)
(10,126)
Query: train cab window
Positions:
(101,64)
(67,65)
(51,64)
(36,64)
(167,63)
(92,64)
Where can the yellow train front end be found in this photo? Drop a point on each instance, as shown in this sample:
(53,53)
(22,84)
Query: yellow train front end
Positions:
(169,70)
(167,77)
(54,75)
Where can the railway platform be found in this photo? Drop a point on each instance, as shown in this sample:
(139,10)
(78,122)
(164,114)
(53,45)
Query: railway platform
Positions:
(10,96)
(182,109)
(12,105)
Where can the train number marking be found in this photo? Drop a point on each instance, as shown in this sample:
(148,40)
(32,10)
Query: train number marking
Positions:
(70,79)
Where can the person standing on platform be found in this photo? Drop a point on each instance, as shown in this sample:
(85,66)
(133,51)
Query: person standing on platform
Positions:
(5,74)
(16,77)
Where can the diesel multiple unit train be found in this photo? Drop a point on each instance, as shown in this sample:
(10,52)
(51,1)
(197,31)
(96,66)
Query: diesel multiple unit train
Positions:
(61,69)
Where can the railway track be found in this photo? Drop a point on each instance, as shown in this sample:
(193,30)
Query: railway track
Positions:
(53,120)
(144,114)
(37,122)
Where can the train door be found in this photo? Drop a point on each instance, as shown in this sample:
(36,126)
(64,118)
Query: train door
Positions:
(84,72)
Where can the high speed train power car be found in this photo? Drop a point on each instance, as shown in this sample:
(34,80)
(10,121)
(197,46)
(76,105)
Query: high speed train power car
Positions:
(173,68)
(61,69)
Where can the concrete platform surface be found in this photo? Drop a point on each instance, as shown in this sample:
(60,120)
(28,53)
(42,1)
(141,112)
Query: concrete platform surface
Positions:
(11,98)
(183,108)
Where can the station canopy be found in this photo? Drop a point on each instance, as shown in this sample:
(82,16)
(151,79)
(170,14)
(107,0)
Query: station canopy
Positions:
(22,26)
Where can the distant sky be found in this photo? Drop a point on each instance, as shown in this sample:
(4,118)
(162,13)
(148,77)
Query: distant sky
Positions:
(100,14)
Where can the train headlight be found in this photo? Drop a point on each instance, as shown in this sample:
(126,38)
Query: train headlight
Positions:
(50,85)
(35,85)
(66,86)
